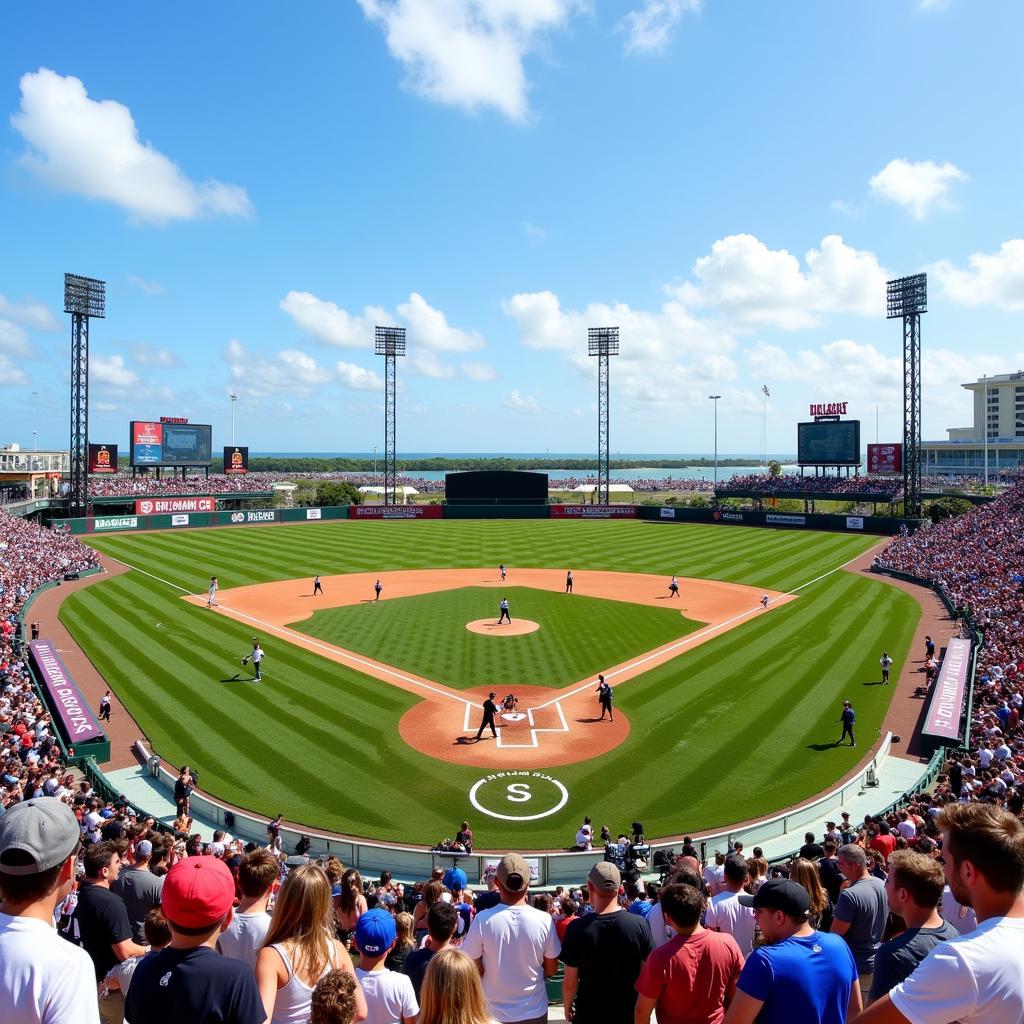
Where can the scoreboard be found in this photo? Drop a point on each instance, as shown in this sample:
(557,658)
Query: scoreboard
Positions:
(828,443)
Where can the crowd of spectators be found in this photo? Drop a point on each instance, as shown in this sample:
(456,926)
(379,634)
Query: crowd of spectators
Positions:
(886,488)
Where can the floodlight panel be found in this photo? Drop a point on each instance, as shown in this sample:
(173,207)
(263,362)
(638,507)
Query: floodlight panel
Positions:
(84,295)
(390,341)
(603,341)
(905,296)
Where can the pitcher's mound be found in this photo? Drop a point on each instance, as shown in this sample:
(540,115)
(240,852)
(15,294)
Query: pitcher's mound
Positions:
(490,627)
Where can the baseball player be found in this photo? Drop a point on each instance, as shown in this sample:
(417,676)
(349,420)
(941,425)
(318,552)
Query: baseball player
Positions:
(568,582)
(211,600)
(502,570)
(886,662)
(490,710)
(764,600)
(604,695)
(673,586)
(318,587)
(256,657)
(377,588)
(504,612)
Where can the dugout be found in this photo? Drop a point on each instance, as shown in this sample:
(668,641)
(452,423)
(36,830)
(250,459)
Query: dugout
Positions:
(496,487)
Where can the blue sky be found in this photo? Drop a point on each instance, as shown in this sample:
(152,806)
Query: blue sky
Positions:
(730,184)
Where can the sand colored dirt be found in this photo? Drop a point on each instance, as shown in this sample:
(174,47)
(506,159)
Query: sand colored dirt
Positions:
(491,627)
(443,724)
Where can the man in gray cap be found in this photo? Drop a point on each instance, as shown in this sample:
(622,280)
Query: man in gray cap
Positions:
(45,980)
(139,888)
(515,947)
(603,953)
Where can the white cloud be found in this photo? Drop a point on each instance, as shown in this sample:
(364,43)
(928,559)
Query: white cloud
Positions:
(11,375)
(993,278)
(754,286)
(355,378)
(533,232)
(146,354)
(426,362)
(31,314)
(518,402)
(479,371)
(468,53)
(111,371)
(13,340)
(92,148)
(289,372)
(916,186)
(329,323)
(429,327)
(149,287)
(104,406)
(649,28)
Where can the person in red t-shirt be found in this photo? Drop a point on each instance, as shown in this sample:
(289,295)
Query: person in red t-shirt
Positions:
(569,909)
(884,843)
(691,979)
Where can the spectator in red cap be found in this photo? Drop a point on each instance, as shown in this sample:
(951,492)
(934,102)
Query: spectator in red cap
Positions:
(190,980)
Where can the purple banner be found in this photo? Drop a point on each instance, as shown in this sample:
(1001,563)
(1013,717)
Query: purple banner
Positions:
(63,696)
(943,718)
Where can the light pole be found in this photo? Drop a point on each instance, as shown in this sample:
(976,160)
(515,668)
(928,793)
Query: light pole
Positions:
(767,395)
(985,407)
(35,445)
(715,398)
(234,398)
(375,463)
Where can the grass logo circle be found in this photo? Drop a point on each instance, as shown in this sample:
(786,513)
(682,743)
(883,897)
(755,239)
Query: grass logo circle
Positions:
(535,793)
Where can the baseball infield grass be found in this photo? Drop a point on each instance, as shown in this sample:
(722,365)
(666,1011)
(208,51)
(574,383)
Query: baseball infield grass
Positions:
(427,635)
(738,727)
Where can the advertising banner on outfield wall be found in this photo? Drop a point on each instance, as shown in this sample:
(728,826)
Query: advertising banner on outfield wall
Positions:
(63,696)
(179,519)
(395,512)
(165,506)
(101,523)
(668,513)
(942,721)
(257,515)
(778,519)
(103,458)
(855,522)
(593,511)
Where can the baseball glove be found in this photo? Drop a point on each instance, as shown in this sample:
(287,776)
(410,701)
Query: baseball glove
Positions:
(245,661)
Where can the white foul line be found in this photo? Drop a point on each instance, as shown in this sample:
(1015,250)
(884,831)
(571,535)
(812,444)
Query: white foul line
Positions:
(302,639)
(689,639)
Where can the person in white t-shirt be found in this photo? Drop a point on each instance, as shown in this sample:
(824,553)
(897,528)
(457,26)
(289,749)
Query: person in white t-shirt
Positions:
(515,946)
(714,874)
(43,978)
(243,937)
(726,914)
(977,977)
(389,995)
(585,835)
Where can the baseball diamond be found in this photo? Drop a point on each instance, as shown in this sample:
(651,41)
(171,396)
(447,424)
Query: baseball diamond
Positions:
(365,719)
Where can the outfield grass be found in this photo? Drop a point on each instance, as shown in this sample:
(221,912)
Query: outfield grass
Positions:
(579,636)
(738,727)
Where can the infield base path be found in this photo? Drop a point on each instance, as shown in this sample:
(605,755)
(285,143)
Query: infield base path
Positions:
(552,727)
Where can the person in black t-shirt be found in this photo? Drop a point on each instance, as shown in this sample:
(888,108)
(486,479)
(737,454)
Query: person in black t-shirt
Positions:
(442,920)
(189,980)
(811,850)
(828,870)
(101,917)
(603,953)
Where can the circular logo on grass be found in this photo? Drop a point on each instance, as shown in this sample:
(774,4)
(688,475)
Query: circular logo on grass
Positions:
(533,794)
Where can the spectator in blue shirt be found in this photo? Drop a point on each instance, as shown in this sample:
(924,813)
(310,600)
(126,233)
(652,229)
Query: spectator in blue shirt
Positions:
(802,975)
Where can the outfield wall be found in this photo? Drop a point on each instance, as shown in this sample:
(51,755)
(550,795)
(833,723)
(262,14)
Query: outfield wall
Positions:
(884,525)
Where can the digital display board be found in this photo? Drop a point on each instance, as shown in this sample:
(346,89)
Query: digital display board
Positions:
(885,458)
(236,461)
(170,444)
(103,458)
(828,444)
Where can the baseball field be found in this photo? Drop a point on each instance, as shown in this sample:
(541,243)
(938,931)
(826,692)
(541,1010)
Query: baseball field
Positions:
(365,719)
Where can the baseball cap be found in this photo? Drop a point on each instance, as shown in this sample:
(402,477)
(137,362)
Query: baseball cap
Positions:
(44,829)
(375,932)
(144,849)
(604,877)
(455,878)
(198,892)
(513,873)
(216,849)
(779,894)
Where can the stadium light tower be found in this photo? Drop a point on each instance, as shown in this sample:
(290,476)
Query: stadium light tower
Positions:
(234,398)
(84,298)
(906,299)
(715,398)
(603,342)
(390,342)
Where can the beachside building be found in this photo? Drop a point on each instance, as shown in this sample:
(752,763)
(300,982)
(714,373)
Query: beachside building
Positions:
(995,439)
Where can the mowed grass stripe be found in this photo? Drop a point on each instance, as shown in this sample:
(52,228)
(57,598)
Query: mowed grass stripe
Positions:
(706,729)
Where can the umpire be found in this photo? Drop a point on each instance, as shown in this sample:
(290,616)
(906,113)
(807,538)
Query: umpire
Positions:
(490,710)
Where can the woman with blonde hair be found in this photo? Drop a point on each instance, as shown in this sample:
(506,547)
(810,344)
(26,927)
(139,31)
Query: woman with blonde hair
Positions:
(404,943)
(452,992)
(805,872)
(300,948)
(350,904)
